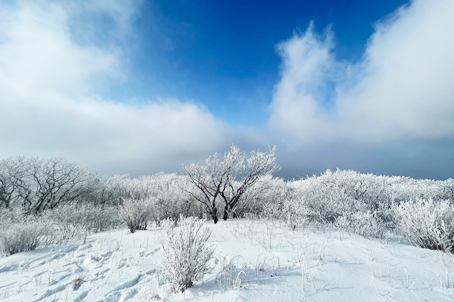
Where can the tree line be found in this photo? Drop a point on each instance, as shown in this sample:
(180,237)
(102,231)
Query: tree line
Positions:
(224,186)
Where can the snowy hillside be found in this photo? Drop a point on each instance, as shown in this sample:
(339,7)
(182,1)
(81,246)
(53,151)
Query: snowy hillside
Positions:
(255,260)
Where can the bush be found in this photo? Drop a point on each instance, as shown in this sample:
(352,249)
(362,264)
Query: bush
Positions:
(365,224)
(74,219)
(186,253)
(20,233)
(295,214)
(136,213)
(328,196)
(426,223)
(168,193)
(263,199)
(102,218)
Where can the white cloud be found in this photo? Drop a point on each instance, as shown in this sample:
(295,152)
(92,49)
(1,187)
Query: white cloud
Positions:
(54,57)
(401,90)
(50,107)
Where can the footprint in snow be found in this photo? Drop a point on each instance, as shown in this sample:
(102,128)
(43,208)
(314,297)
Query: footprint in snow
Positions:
(8,268)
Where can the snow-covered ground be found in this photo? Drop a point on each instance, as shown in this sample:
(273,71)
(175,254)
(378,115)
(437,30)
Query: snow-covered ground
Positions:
(254,261)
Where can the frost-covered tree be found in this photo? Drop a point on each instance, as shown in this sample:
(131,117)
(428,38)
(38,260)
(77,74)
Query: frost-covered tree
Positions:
(38,184)
(10,175)
(226,179)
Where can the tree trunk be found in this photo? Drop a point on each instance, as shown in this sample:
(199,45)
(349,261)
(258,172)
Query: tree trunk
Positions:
(214,215)
(227,212)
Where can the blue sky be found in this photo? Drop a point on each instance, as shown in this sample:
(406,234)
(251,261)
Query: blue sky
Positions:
(223,53)
(139,87)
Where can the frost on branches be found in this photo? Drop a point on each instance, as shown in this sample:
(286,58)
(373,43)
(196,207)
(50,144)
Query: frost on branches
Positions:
(38,184)
(186,252)
(427,223)
(136,213)
(227,179)
(20,233)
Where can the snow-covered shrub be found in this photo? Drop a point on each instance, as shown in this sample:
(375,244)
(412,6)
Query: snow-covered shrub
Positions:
(332,194)
(264,198)
(295,213)
(74,219)
(20,233)
(426,223)
(167,223)
(169,193)
(120,187)
(20,238)
(322,201)
(136,213)
(402,189)
(186,251)
(269,210)
(321,196)
(366,224)
(101,219)
(447,189)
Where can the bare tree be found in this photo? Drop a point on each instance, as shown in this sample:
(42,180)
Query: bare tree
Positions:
(12,174)
(227,179)
(40,184)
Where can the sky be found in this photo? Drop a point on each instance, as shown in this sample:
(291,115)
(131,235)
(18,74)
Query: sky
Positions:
(139,87)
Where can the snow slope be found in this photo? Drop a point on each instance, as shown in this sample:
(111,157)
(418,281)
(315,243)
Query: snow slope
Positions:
(255,261)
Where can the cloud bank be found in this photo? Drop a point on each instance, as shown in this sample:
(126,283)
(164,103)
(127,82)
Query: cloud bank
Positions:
(50,75)
(392,112)
(402,89)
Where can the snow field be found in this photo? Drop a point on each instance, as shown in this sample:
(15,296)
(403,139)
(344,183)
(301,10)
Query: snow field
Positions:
(254,260)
